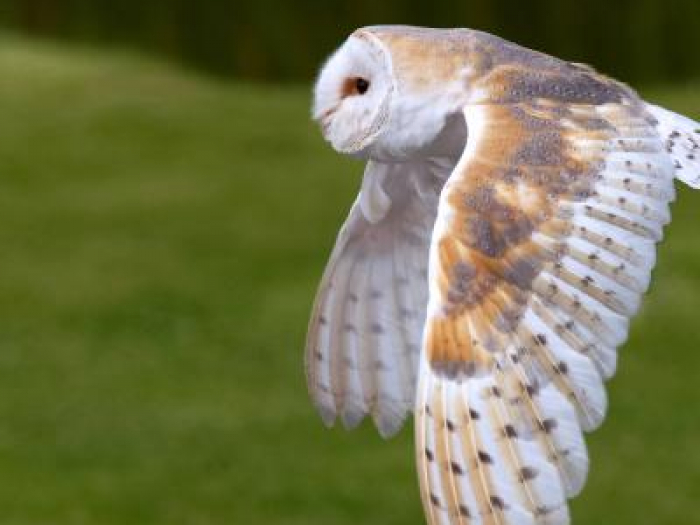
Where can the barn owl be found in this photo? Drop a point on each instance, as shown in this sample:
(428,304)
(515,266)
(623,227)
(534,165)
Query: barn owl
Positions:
(503,235)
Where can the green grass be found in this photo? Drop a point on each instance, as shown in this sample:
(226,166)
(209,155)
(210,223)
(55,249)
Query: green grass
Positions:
(162,237)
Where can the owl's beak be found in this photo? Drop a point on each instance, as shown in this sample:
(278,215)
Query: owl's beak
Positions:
(325,120)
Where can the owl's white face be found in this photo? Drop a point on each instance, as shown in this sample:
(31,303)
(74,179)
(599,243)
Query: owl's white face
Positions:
(353,93)
(372,102)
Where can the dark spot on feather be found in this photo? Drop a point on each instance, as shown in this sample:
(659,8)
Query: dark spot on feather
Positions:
(541,339)
(510,432)
(532,390)
(429,455)
(484,457)
(528,473)
(464,511)
(434,500)
(562,368)
(497,503)
(543,510)
(377,329)
(548,425)
(450,425)
(456,468)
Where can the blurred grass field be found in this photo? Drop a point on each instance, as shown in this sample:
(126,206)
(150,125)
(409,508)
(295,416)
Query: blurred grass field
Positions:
(162,236)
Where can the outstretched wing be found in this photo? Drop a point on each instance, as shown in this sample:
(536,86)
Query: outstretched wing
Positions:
(365,331)
(544,242)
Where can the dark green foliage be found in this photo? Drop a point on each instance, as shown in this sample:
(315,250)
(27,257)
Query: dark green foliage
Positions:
(636,40)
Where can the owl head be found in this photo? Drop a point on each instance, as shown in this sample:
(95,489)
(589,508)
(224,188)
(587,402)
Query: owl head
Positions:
(387,94)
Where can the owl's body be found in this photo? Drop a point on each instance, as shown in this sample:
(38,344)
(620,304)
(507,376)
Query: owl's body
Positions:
(503,236)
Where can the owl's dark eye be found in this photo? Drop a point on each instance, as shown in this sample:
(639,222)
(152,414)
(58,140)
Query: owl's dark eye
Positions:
(353,86)
(361,85)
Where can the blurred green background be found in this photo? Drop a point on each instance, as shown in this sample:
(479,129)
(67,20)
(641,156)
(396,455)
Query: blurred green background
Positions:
(166,210)
(639,40)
